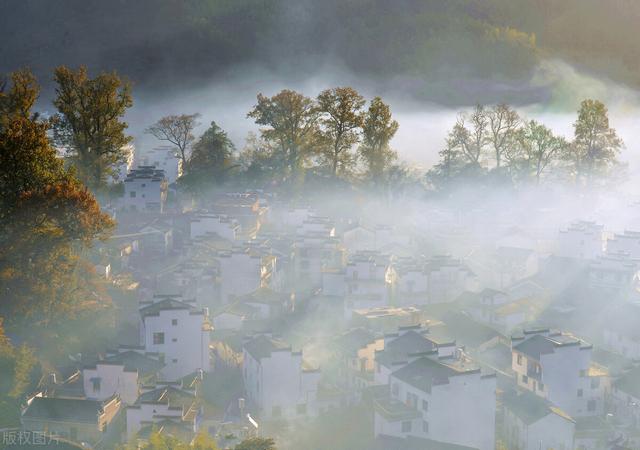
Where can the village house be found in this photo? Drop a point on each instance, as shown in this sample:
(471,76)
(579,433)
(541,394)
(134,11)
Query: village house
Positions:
(582,240)
(313,253)
(435,397)
(245,269)
(121,372)
(355,352)
(495,308)
(145,189)
(179,331)
(277,381)
(164,158)
(246,208)
(627,242)
(203,223)
(621,333)
(164,404)
(533,423)
(625,398)
(79,420)
(558,367)
(388,319)
(613,272)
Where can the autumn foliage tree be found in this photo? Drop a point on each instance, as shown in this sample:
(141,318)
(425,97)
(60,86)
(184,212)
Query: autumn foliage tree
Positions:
(89,123)
(48,219)
(378,128)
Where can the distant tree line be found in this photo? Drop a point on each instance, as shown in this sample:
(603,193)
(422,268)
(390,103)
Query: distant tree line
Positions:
(496,142)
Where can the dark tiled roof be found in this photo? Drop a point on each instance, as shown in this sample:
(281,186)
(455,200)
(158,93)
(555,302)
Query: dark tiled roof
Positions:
(629,383)
(423,373)
(529,407)
(262,346)
(399,349)
(385,442)
(168,303)
(134,361)
(353,340)
(64,409)
(168,394)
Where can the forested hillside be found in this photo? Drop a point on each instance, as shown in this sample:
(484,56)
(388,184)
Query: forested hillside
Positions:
(424,46)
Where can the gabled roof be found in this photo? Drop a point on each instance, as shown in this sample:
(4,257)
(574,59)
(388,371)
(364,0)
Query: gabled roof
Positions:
(354,340)
(399,349)
(167,304)
(65,409)
(385,442)
(172,395)
(133,361)
(261,346)
(530,408)
(629,383)
(423,373)
(539,344)
(265,295)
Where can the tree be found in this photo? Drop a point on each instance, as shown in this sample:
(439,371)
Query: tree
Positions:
(210,160)
(341,119)
(89,123)
(291,128)
(503,124)
(256,443)
(472,141)
(161,441)
(378,129)
(595,146)
(539,148)
(19,99)
(177,130)
(48,218)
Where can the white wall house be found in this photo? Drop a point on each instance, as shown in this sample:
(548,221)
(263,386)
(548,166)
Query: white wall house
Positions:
(178,330)
(558,367)
(122,372)
(627,242)
(145,189)
(625,398)
(243,270)
(621,332)
(614,272)
(277,381)
(437,398)
(204,223)
(582,240)
(533,423)
(163,157)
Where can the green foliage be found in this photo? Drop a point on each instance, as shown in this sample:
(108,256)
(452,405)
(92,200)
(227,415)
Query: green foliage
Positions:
(89,122)
(341,120)
(256,443)
(210,161)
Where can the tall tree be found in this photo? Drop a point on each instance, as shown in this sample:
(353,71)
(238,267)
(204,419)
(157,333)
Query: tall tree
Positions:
(504,122)
(341,119)
(177,130)
(19,98)
(291,127)
(378,128)
(539,148)
(89,122)
(48,218)
(210,160)
(596,145)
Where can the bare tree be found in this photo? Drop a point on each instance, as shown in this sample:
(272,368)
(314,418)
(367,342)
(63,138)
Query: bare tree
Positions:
(177,130)
(504,123)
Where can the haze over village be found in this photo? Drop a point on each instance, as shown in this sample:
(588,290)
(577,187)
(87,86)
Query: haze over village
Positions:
(319,225)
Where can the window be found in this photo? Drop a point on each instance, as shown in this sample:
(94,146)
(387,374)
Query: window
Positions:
(425,426)
(96,384)
(541,386)
(175,360)
(591,405)
(425,405)
(174,322)
(276,411)
(158,338)
(406,427)
(412,400)
(301,409)
(579,392)
(395,389)
(525,379)
(519,360)
(132,194)
(174,340)
(144,185)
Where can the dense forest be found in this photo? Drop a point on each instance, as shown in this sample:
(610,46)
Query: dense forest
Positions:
(422,46)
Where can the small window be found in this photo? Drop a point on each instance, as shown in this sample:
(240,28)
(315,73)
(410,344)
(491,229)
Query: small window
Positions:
(144,185)
(395,390)
(406,426)
(425,426)
(158,338)
(174,340)
(591,405)
(301,409)
(541,386)
(175,360)
(525,379)
(132,194)
(96,384)
(519,359)
(425,405)
(580,392)
(174,322)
